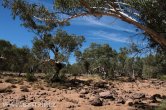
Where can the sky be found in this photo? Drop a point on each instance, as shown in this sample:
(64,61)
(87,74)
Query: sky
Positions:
(108,30)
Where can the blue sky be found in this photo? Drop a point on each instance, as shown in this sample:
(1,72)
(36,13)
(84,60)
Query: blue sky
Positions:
(108,30)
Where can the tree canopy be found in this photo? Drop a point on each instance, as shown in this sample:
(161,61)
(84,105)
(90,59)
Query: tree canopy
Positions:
(40,19)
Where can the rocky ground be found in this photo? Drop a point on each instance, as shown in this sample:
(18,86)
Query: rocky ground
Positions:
(81,94)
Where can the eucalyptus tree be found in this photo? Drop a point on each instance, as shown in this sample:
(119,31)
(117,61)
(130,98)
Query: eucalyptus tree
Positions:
(40,19)
(5,54)
(152,13)
(59,46)
(97,57)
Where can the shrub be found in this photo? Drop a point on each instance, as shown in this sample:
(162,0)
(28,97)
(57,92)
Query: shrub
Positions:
(163,77)
(12,81)
(162,106)
(49,75)
(31,77)
(62,74)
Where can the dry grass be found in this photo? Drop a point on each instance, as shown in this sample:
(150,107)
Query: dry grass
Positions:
(95,78)
(38,85)
(12,80)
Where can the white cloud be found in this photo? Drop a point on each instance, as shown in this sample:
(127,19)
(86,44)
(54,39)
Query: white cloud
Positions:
(110,36)
(92,21)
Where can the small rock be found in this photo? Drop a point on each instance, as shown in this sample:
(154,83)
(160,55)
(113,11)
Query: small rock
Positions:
(84,91)
(95,92)
(31,100)
(30,108)
(121,100)
(138,96)
(106,95)
(23,97)
(129,102)
(154,98)
(70,106)
(96,102)
(44,93)
(13,86)
(101,85)
(24,89)
(82,95)
(137,101)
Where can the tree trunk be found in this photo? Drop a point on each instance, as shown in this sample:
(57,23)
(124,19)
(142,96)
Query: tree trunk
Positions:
(158,38)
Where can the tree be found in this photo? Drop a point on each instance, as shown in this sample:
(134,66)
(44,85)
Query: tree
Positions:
(21,59)
(97,59)
(60,45)
(39,18)
(122,57)
(14,59)
(152,14)
(5,54)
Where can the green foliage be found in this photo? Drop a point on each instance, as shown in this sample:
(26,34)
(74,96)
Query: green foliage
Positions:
(27,11)
(152,13)
(162,106)
(31,77)
(12,80)
(44,21)
(61,45)
(13,58)
(96,56)
(163,77)
(76,69)
(49,75)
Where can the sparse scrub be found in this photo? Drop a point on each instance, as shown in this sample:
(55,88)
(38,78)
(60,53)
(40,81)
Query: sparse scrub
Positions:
(38,86)
(163,77)
(12,80)
(49,75)
(31,77)
(162,106)
(75,70)
(62,74)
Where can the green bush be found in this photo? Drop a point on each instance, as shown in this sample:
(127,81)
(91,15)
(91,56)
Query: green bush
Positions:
(12,80)
(62,73)
(162,106)
(163,77)
(53,76)
(76,70)
(31,77)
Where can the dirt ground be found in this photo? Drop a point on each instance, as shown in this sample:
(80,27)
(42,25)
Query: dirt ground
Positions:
(85,93)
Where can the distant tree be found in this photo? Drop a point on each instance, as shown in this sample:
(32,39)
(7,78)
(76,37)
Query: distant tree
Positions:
(97,58)
(60,46)
(5,54)
(21,59)
(122,57)
(15,59)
